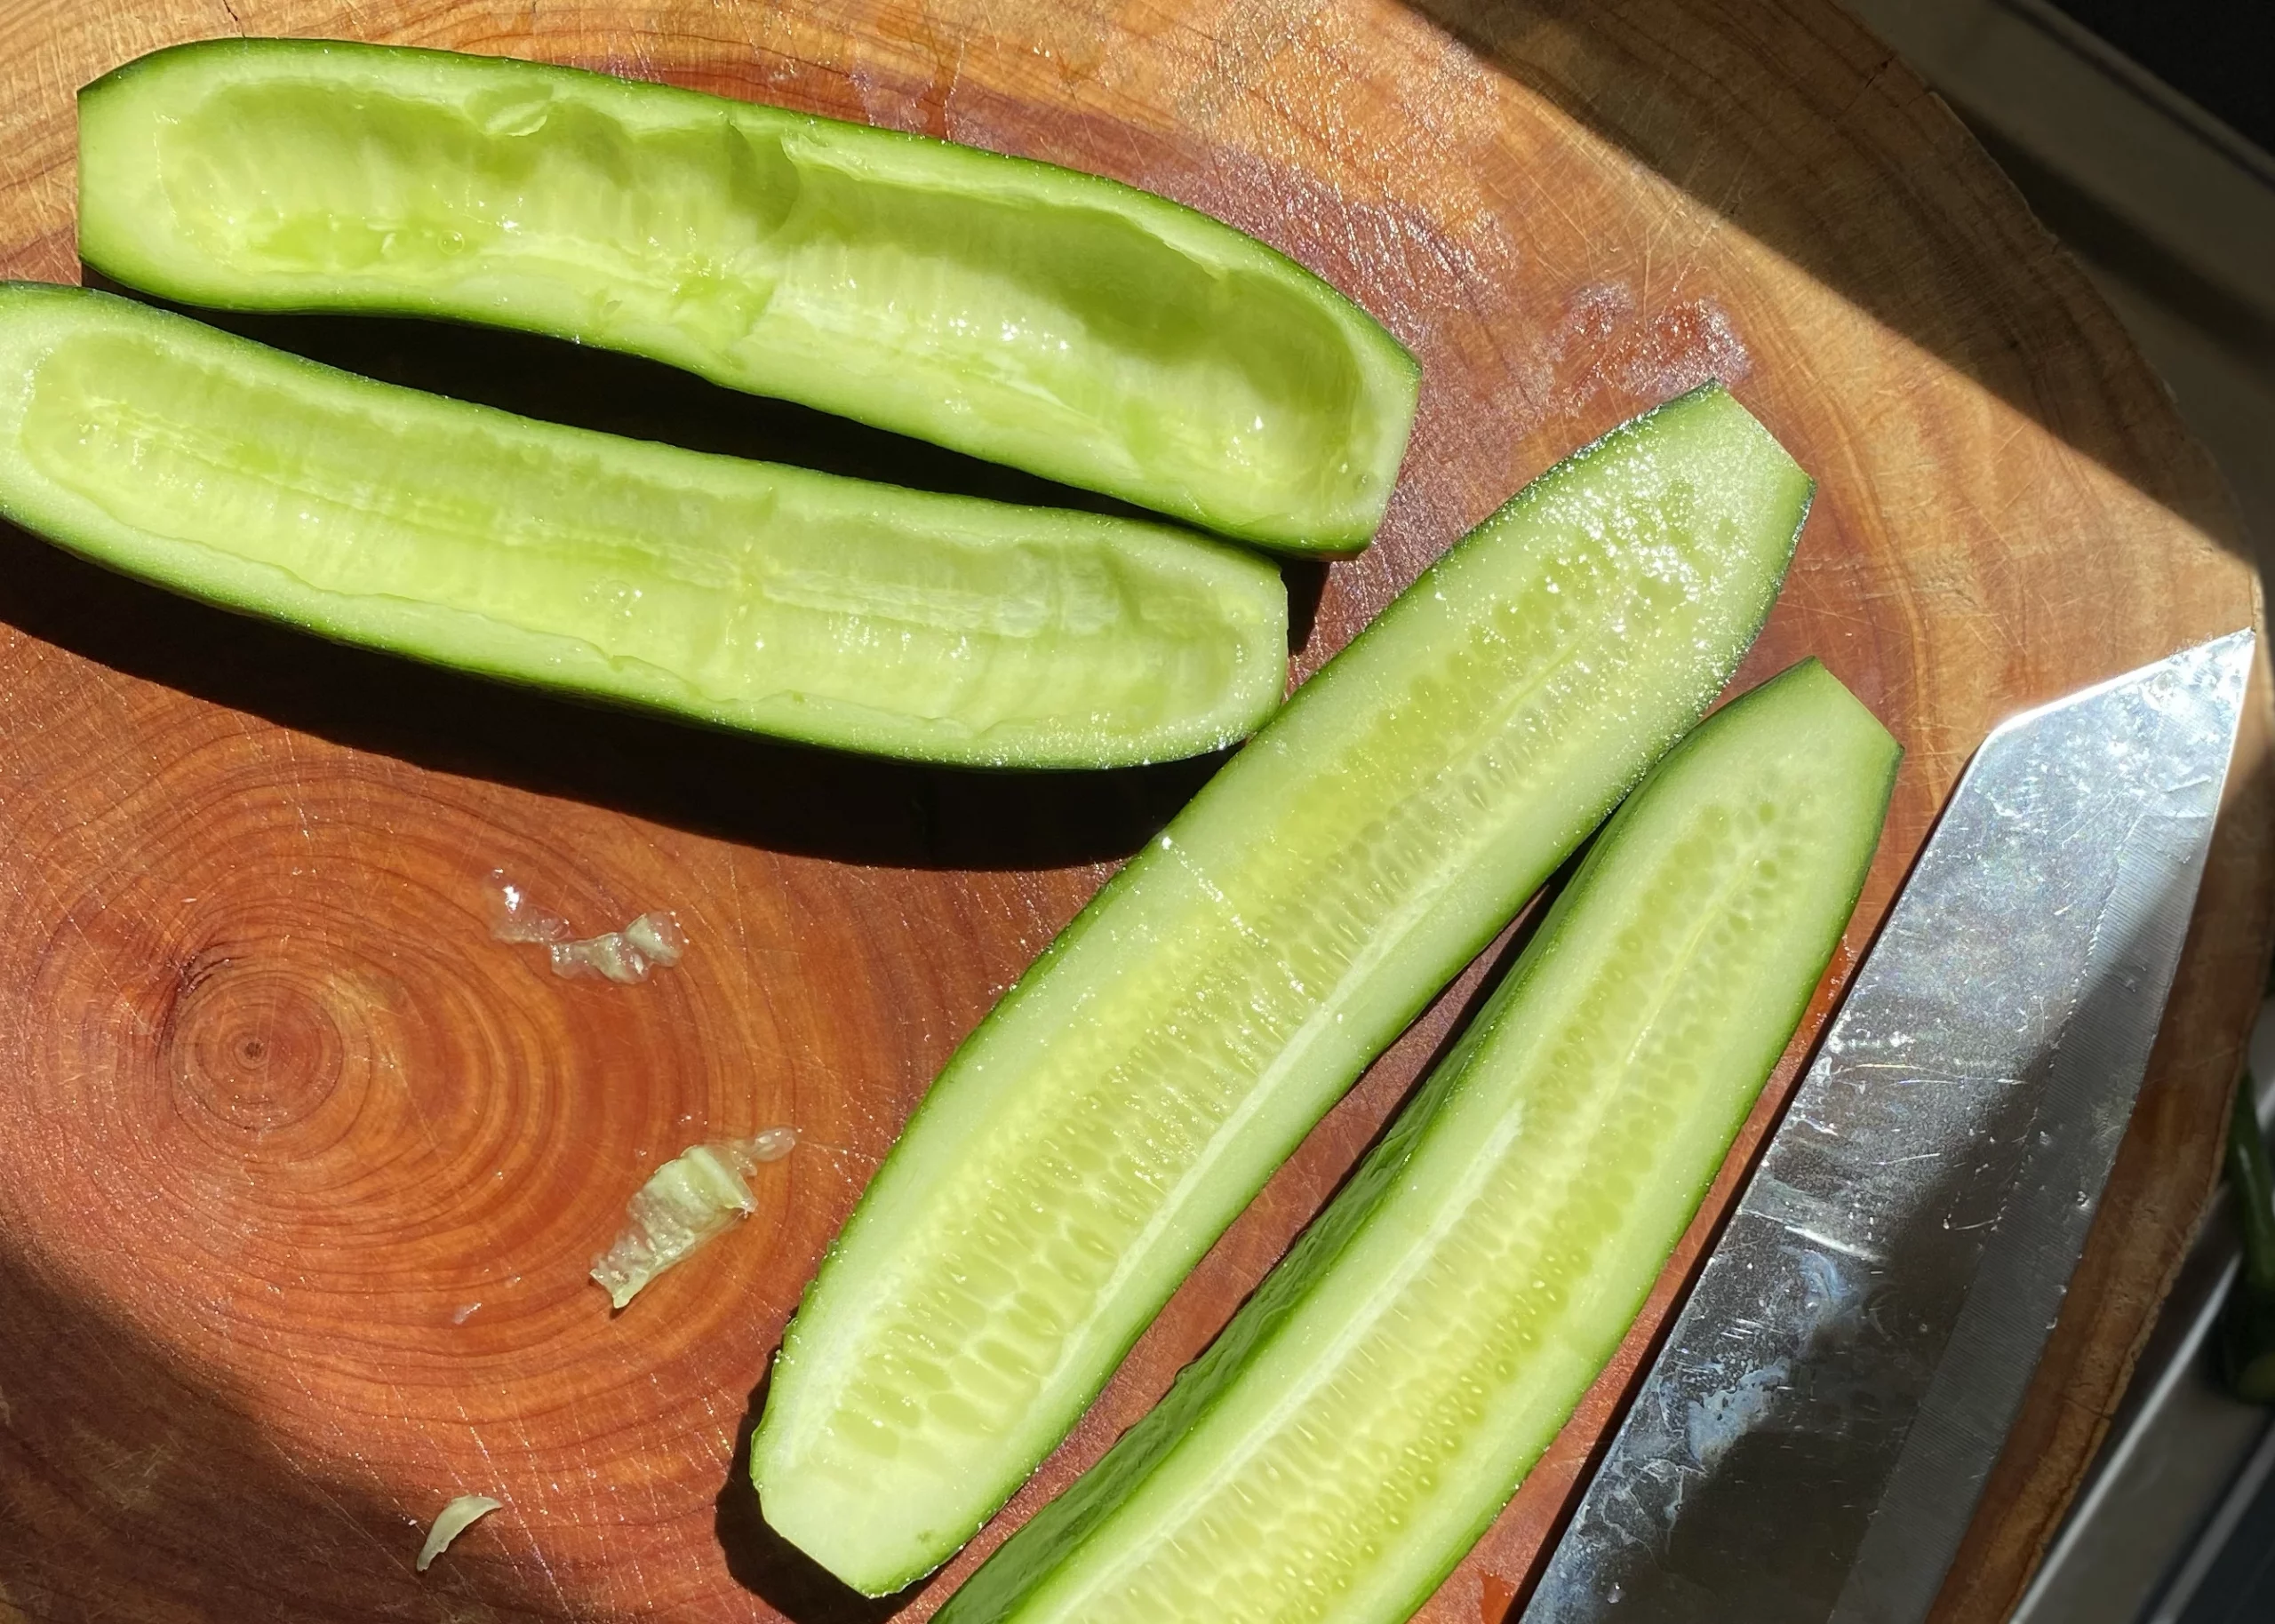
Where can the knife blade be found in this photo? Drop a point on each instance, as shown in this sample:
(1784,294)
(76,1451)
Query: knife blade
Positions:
(1812,1440)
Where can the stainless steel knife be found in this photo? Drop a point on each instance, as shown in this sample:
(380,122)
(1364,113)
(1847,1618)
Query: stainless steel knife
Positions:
(1810,1444)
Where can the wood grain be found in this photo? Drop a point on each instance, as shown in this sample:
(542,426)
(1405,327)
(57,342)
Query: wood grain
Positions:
(277,1112)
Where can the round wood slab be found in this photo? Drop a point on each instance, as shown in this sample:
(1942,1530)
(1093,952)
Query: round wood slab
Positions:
(301,1172)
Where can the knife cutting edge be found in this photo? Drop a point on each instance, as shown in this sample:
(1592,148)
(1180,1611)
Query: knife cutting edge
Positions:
(1813,1438)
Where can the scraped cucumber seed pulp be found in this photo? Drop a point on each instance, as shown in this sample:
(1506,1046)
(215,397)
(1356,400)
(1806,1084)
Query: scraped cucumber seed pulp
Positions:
(1127,1098)
(777,599)
(1371,1407)
(1067,325)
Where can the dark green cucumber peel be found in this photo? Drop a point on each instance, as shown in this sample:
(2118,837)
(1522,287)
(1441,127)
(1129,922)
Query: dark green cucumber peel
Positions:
(743,594)
(1064,323)
(1129,1096)
(1374,1405)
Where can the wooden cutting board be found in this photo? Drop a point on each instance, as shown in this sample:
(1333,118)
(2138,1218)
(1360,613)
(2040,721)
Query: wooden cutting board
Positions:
(300,1172)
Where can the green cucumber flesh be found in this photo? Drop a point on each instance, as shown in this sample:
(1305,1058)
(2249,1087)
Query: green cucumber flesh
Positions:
(1129,1096)
(1374,1405)
(1023,313)
(775,600)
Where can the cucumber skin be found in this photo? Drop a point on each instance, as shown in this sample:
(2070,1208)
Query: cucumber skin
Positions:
(997,1592)
(1344,669)
(110,250)
(875,733)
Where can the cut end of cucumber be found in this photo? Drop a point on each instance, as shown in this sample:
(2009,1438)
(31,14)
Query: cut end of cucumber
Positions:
(776,599)
(1061,323)
(828,1527)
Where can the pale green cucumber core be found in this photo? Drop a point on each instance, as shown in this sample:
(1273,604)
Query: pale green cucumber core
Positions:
(1022,313)
(1371,1409)
(756,596)
(1124,1102)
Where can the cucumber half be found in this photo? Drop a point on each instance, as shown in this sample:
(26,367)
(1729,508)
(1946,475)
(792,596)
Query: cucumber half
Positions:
(1372,1406)
(1127,1098)
(1068,324)
(784,601)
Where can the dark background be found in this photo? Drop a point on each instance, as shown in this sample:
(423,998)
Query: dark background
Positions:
(2218,53)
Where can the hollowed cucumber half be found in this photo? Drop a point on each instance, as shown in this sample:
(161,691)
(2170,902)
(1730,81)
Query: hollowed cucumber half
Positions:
(1372,1406)
(784,601)
(1127,1098)
(1068,324)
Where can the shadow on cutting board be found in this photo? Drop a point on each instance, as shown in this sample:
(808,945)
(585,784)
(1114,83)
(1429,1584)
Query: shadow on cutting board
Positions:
(1800,128)
(139,1487)
(752,791)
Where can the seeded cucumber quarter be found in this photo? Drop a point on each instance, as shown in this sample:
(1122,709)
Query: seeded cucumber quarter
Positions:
(1378,1399)
(776,599)
(1064,323)
(1123,1103)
